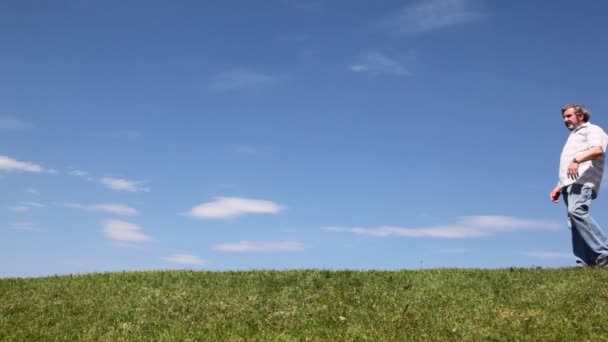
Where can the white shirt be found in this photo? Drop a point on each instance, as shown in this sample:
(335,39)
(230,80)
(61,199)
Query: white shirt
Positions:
(580,140)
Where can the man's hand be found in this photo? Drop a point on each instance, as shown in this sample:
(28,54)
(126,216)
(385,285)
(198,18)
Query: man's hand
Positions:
(554,195)
(573,170)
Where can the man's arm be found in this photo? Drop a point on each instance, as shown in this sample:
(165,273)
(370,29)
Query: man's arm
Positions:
(590,154)
(554,195)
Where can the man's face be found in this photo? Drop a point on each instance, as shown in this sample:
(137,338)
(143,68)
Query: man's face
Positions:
(571,120)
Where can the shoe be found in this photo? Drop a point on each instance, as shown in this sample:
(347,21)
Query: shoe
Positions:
(603,262)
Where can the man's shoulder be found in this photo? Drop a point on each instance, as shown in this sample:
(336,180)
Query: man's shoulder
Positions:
(594,127)
(596,135)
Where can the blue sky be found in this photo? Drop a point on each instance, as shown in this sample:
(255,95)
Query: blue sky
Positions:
(286,134)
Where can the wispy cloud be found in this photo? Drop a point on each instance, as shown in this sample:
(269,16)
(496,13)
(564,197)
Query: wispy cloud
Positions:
(26,206)
(260,246)
(429,15)
(18,208)
(123,184)
(11,123)
(227,207)
(305,5)
(35,204)
(119,184)
(10,164)
(131,134)
(122,135)
(124,234)
(237,79)
(28,226)
(548,255)
(375,63)
(453,250)
(186,259)
(293,37)
(507,223)
(467,227)
(245,150)
(32,191)
(437,232)
(117,209)
(78,173)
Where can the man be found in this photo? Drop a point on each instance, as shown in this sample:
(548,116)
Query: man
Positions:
(580,174)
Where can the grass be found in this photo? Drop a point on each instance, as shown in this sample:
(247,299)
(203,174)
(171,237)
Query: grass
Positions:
(568,304)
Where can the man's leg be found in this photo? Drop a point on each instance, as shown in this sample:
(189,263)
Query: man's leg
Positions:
(589,242)
(578,244)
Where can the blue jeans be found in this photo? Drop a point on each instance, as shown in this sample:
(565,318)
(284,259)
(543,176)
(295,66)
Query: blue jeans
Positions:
(589,243)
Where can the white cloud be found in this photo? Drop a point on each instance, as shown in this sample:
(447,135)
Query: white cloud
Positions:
(18,208)
(35,204)
(117,209)
(187,259)
(305,5)
(242,79)
(78,173)
(453,250)
(33,191)
(429,15)
(123,184)
(438,232)
(245,150)
(468,227)
(124,233)
(499,222)
(375,63)
(358,68)
(260,246)
(10,164)
(28,226)
(22,224)
(26,206)
(13,123)
(226,186)
(86,176)
(119,184)
(293,37)
(549,255)
(227,207)
(132,134)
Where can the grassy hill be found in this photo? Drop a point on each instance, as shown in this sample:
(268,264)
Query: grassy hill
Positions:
(445,304)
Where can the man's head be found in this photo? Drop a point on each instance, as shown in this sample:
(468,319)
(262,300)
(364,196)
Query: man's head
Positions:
(574,115)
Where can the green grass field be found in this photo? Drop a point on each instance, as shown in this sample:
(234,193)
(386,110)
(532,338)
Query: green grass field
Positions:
(316,305)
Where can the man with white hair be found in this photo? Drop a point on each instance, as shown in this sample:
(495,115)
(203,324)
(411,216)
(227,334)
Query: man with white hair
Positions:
(580,174)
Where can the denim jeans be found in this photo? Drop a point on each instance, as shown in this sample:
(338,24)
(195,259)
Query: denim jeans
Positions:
(589,243)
